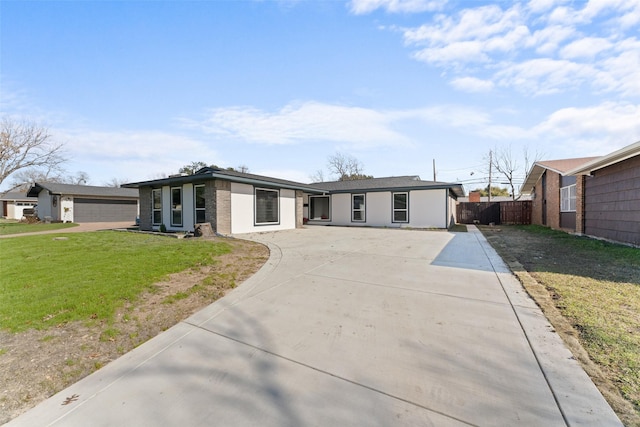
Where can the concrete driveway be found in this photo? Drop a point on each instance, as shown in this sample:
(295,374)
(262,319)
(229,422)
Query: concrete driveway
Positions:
(349,327)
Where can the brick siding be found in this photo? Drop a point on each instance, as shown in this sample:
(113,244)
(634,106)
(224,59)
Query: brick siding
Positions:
(145,208)
(299,209)
(223,207)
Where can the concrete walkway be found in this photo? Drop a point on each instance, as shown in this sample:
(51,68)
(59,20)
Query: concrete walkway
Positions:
(349,327)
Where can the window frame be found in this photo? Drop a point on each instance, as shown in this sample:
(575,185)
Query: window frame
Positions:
(311,200)
(567,199)
(255,208)
(362,209)
(174,210)
(197,209)
(155,210)
(394,209)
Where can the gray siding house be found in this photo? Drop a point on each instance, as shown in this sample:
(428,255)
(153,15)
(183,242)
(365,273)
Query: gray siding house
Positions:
(85,203)
(608,195)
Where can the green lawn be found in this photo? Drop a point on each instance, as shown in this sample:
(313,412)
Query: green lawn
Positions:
(15,227)
(87,276)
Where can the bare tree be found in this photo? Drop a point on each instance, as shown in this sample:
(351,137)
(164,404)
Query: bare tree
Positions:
(511,167)
(26,145)
(116,182)
(318,176)
(346,167)
(80,178)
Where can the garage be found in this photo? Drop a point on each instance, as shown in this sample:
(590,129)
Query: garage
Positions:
(84,203)
(104,210)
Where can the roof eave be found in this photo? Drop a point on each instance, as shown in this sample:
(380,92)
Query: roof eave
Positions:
(214,175)
(608,160)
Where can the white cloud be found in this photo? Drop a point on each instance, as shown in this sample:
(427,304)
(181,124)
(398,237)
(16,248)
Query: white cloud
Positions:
(544,76)
(544,47)
(361,7)
(453,53)
(601,128)
(303,122)
(135,155)
(587,48)
(540,6)
(472,84)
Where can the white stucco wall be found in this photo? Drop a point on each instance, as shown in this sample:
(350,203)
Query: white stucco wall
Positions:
(188,208)
(341,209)
(427,209)
(66,208)
(243,215)
(15,210)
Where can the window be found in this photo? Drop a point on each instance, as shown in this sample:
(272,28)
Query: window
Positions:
(156,196)
(357,207)
(200,204)
(400,207)
(319,208)
(176,206)
(267,204)
(568,199)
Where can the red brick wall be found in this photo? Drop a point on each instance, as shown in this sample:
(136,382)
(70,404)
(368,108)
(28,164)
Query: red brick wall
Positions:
(580,204)
(553,199)
(549,198)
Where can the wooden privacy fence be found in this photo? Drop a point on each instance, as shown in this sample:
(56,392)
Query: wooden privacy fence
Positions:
(518,212)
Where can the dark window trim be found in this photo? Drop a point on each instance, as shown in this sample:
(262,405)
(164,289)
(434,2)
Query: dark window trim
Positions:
(322,219)
(153,209)
(393,207)
(255,206)
(364,200)
(195,203)
(176,224)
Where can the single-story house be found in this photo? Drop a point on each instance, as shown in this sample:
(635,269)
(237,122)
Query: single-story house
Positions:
(553,192)
(14,204)
(399,201)
(235,202)
(608,195)
(85,203)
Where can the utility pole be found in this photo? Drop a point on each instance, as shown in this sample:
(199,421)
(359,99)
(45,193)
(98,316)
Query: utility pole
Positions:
(490,165)
(434,170)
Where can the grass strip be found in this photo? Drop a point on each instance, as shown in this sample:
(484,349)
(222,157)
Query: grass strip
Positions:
(7,227)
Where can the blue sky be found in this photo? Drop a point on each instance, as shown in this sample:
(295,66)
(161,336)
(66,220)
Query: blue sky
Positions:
(136,89)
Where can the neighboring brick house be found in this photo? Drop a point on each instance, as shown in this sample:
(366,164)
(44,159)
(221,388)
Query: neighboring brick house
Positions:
(554,192)
(609,196)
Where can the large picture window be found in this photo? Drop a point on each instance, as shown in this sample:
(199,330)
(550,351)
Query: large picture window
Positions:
(400,207)
(156,201)
(200,204)
(358,208)
(176,206)
(568,199)
(319,208)
(267,206)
